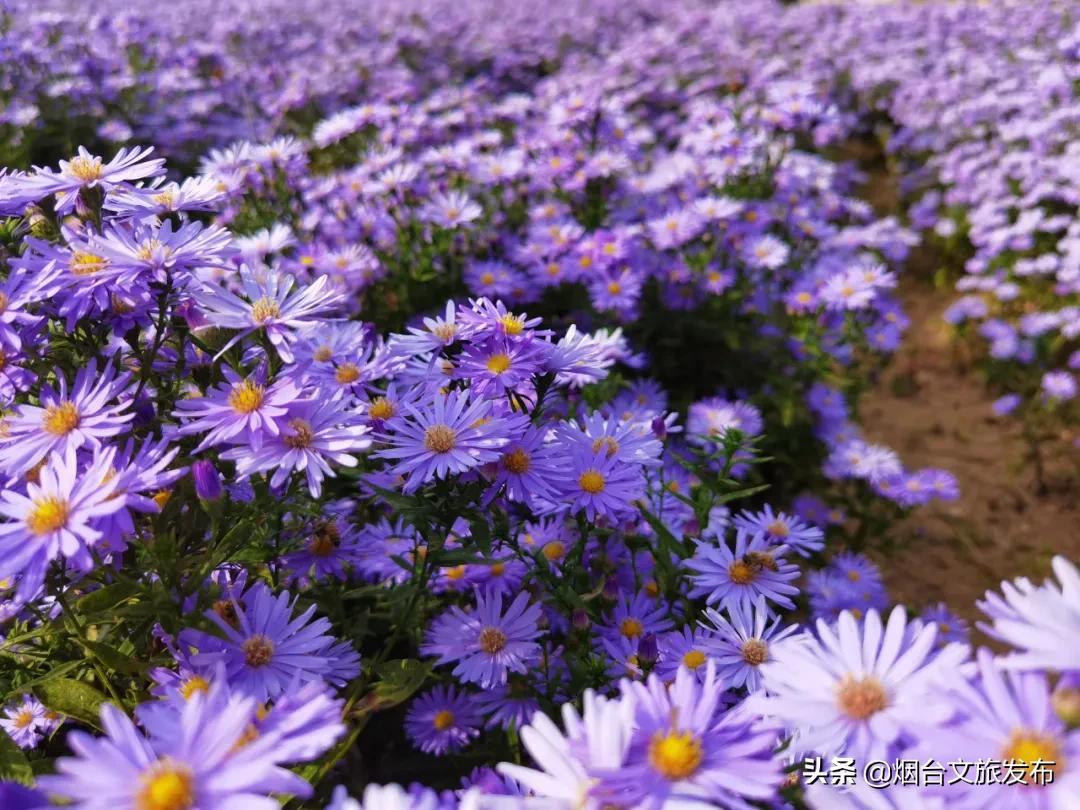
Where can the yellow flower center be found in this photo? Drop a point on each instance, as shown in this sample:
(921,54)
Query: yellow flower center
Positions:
(1029,747)
(554,551)
(861,698)
(87,169)
(456,573)
(49,514)
(440,439)
(498,363)
(675,755)
(258,650)
(168,786)
(854,576)
(778,529)
(631,627)
(23,719)
(148,248)
(693,659)
(61,419)
(86,264)
(516,461)
(492,640)
(591,482)
(614,287)
(741,573)
(322,354)
(381,408)
(512,324)
(347,373)
(166,198)
(302,434)
(161,497)
(265,309)
(246,397)
(444,331)
(755,651)
(443,720)
(194,684)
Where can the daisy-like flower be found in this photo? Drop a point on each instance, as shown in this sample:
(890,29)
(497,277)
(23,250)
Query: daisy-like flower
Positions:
(486,643)
(162,250)
(499,365)
(315,434)
(24,286)
(684,749)
(266,650)
(443,720)
(596,740)
(859,689)
(25,721)
(66,419)
(243,410)
(450,209)
(1036,620)
(193,194)
(437,334)
(452,434)
(330,544)
(1009,718)
(88,171)
(739,576)
(709,419)
(766,251)
(800,537)
(683,648)
(599,484)
(203,759)
(637,616)
(847,290)
(951,628)
(743,643)
(271,305)
(53,519)
(526,469)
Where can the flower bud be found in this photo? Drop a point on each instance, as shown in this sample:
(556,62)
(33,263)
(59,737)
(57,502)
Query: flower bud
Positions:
(207,480)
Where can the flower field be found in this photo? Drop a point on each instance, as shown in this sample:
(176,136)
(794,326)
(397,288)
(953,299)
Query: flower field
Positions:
(586,405)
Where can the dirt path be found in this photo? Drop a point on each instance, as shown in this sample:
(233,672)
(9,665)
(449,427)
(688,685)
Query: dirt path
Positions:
(932,408)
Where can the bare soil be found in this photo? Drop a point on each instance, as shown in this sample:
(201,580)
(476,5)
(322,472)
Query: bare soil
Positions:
(932,407)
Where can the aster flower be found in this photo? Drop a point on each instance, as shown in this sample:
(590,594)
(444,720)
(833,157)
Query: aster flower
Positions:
(95,407)
(496,366)
(437,334)
(1007,717)
(271,305)
(53,518)
(443,720)
(160,250)
(486,643)
(452,434)
(637,616)
(684,750)
(25,722)
(315,433)
(742,644)
(950,627)
(265,648)
(734,577)
(330,546)
(241,410)
(859,689)
(203,759)
(527,468)
(449,210)
(683,648)
(599,484)
(566,762)
(1036,620)
(778,527)
(87,171)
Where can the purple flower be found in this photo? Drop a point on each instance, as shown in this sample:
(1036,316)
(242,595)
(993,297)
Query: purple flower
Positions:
(203,759)
(266,650)
(683,745)
(207,480)
(443,720)
(858,689)
(800,537)
(243,410)
(25,721)
(1059,386)
(742,644)
(450,209)
(599,484)
(87,171)
(53,518)
(733,577)
(95,408)
(452,434)
(271,306)
(486,643)
(314,434)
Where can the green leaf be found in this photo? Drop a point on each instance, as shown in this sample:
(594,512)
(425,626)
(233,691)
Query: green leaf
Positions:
(14,767)
(75,699)
(113,658)
(398,680)
(480,533)
(105,598)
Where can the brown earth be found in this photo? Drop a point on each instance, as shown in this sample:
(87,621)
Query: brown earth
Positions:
(932,408)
